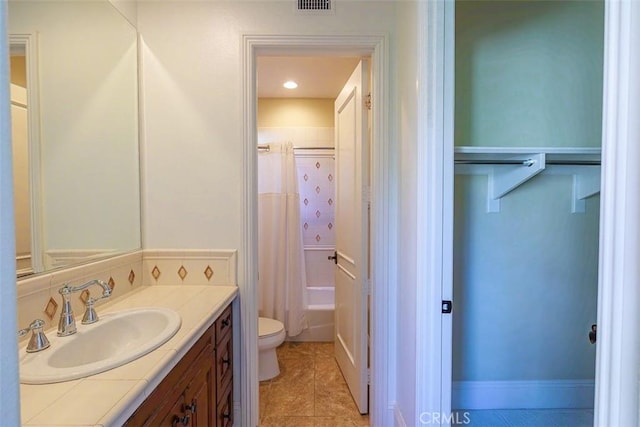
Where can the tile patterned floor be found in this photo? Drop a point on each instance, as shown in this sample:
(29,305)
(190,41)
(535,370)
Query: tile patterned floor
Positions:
(309,392)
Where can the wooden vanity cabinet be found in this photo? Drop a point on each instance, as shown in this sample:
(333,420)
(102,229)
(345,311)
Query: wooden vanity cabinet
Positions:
(224,369)
(199,389)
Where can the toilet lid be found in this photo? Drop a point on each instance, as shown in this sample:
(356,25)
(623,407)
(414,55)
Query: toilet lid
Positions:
(267,327)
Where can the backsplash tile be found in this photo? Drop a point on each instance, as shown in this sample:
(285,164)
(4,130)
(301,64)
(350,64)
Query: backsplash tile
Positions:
(38,296)
(208,272)
(51,308)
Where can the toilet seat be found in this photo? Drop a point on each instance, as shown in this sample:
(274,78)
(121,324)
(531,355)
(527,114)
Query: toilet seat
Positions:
(269,327)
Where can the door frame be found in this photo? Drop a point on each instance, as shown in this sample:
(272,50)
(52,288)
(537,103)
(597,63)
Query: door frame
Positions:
(617,394)
(382,213)
(28,43)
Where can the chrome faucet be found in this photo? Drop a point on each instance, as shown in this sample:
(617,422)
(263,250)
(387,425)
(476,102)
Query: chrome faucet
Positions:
(67,323)
(38,340)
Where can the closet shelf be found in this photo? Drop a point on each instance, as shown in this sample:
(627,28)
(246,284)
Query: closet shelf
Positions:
(510,167)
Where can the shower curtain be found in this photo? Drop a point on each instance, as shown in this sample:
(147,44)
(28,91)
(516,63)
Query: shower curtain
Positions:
(281,265)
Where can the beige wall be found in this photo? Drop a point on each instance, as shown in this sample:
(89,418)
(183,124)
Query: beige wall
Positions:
(295,112)
(193,162)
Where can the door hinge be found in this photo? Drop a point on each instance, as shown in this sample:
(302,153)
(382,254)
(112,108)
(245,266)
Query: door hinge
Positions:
(369,286)
(366,193)
(447,306)
(367,101)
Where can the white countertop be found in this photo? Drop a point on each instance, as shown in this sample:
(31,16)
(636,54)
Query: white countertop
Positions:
(109,398)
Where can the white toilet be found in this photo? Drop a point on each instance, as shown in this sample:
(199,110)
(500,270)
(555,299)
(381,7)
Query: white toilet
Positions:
(271,335)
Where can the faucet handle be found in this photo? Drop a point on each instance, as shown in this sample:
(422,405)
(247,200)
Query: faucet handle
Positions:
(90,315)
(38,340)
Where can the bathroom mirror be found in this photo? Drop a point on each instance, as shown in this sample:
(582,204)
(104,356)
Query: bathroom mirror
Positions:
(80,73)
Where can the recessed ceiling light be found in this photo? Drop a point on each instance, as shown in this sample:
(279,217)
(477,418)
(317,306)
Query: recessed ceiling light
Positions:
(290,84)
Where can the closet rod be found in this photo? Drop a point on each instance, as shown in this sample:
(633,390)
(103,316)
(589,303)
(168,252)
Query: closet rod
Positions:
(267,147)
(529,162)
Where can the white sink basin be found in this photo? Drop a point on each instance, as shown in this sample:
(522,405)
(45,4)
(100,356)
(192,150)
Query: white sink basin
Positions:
(116,339)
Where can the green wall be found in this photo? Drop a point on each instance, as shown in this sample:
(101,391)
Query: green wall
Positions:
(529,73)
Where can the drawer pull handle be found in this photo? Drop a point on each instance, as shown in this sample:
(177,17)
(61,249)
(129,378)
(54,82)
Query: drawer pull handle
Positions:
(192,408)
(226,361)
(226,416)
(226,322)
(180,420)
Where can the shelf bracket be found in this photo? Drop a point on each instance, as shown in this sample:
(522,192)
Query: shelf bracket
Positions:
(505,178)
(586,183)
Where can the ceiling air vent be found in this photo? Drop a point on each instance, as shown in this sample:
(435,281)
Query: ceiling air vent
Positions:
(315,5)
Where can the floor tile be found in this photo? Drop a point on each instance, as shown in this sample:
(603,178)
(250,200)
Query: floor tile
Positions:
(339,422)
(294,371)
(291,350)
(279,421)
(290,399)
(309,379)
(324,349)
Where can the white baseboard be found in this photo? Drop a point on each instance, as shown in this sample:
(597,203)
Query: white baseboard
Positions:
(522,394)
(398,419)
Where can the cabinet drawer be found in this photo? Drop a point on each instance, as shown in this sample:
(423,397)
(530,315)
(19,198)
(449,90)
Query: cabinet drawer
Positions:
(225,409)
(224,325)
(224,365)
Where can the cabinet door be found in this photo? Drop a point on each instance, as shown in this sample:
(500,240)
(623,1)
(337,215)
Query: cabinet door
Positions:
(176,416)
(200,396)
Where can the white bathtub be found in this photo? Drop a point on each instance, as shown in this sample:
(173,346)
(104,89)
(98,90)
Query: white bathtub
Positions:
(320,307)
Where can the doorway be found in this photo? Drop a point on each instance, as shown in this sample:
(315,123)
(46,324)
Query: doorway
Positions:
(313,150)
(526,238)
(375,46)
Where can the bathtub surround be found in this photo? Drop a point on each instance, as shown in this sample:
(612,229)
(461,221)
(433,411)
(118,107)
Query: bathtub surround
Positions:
(316,178)
(281,267)
(316,182)
(320,316)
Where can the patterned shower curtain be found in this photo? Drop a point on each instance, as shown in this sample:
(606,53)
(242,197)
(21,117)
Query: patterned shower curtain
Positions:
(281,266)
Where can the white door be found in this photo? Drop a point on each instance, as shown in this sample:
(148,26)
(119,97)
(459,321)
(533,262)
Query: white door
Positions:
(352,234)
